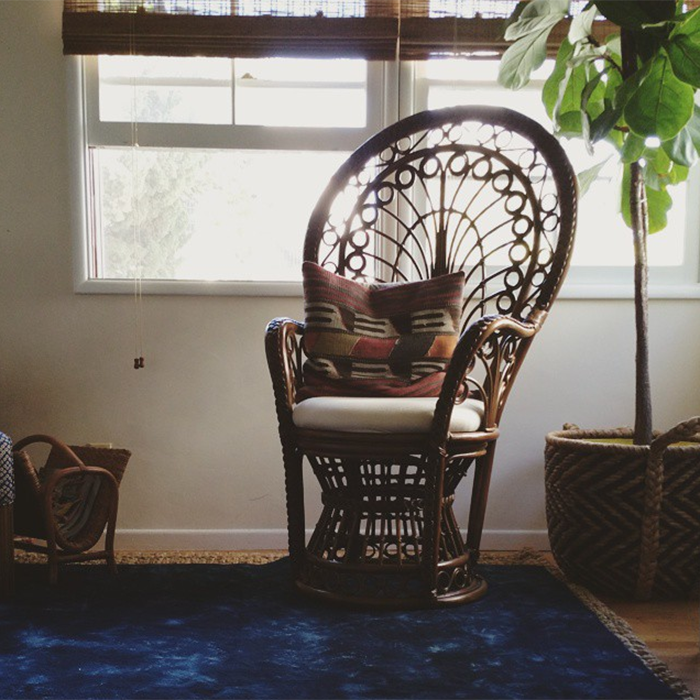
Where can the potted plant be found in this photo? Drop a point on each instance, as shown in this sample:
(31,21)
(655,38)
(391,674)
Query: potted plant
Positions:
(623,511)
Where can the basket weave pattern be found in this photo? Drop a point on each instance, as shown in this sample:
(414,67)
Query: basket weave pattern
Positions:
(625,519)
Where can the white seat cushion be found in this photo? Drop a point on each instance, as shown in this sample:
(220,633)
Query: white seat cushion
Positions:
(351,414)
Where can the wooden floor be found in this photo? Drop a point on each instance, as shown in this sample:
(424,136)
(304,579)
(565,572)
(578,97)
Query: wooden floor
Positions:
(671,630)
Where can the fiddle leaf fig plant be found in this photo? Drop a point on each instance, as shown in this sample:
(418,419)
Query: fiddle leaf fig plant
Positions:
(633,88)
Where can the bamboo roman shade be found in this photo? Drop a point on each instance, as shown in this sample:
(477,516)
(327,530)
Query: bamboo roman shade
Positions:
(371,29)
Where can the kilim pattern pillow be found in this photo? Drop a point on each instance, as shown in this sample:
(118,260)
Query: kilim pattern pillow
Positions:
(380,339)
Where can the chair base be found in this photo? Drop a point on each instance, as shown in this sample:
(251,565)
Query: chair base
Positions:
(368,546)
(388,587)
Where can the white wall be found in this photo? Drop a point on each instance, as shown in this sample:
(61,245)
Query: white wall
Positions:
(206,470)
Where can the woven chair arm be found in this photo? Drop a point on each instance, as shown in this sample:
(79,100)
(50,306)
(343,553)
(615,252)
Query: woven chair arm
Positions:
(57,444)
(485,337)
(283,347)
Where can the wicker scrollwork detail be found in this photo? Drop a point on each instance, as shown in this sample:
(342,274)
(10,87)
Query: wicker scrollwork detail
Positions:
(459,197)
(374,512)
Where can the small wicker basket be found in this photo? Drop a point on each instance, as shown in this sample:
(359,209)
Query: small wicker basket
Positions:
(624,519)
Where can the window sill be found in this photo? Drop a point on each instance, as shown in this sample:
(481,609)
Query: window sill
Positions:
(294,289)
(192,288)
(626,291)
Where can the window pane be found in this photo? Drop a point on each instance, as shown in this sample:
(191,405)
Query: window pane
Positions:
(602,237)
(484,8)
(206,215)
(165,90)
(301,92)
(302,8)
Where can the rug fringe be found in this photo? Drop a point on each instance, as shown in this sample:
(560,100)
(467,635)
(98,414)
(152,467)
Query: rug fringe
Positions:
(618,626)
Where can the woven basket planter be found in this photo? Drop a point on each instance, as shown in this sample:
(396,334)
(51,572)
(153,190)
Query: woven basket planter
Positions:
(623,519)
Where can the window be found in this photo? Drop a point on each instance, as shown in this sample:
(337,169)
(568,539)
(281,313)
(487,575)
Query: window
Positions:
(603,250)
(208,168)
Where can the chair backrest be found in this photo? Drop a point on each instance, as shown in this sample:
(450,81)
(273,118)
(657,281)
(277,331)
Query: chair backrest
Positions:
(480,189)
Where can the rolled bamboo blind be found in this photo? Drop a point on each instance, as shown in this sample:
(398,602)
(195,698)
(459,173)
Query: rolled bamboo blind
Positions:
(370,29)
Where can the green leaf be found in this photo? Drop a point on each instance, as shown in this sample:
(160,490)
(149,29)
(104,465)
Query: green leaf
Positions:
(660,171)
(684,54)
(658,159)
(586,53)
(537,15)
(593,86)
(633,148)
(603,124)
(529,31)
(662,105)
(525,27)
(587,97)
(631,85)
(680,149)
(632,14)
(569,123)
(614,44)
(690,26)
(515,15)
(544,7)
(587,177)
(551,89)
(568,90)
(582,25)
(523,57)
(658,204)
(693,127)
(612,85)
(679,173)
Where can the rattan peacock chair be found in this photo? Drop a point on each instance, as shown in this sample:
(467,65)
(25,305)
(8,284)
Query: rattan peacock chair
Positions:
(479,189)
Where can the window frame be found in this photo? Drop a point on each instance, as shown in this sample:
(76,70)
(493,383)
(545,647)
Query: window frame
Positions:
(384,106)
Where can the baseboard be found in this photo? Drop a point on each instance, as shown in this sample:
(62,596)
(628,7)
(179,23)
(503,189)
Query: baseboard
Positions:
(240,540)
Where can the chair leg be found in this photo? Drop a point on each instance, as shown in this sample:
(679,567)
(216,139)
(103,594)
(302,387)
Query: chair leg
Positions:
(111,528)
(480,492)
(7,552)
(433,523)
(53,566)
(296,521)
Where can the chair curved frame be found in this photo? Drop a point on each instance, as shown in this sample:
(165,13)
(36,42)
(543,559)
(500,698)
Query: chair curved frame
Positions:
(418,200)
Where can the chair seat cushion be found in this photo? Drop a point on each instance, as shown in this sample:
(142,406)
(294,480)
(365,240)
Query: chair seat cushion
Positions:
(385,415)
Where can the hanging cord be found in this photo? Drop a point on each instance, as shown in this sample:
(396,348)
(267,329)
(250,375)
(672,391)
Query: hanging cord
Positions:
(137,243)
(398,62)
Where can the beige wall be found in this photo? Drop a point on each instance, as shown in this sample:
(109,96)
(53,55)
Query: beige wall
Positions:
(199,418)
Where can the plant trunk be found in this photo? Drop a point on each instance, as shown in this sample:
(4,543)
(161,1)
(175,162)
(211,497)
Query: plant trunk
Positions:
(640,230)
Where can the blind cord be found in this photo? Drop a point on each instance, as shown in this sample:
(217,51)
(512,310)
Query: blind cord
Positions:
(139,361)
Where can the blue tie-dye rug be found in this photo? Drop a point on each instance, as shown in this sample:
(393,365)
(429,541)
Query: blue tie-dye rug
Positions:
(240,631)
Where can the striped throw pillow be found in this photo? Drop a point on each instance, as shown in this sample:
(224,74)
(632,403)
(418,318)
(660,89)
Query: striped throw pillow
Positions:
(380,339)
